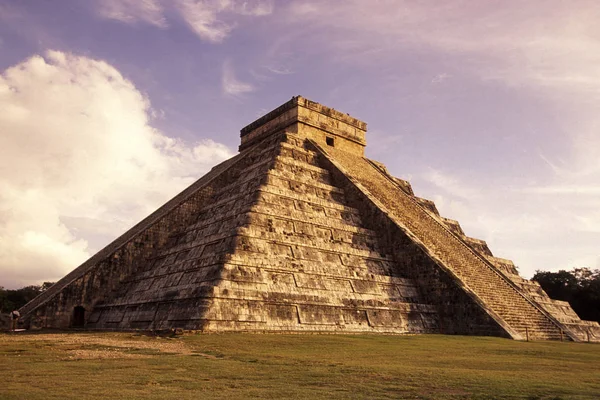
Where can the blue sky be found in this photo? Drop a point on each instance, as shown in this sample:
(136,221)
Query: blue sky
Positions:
(110,107)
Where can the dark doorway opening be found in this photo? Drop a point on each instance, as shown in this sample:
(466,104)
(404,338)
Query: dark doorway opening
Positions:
(78,317)
(329,141)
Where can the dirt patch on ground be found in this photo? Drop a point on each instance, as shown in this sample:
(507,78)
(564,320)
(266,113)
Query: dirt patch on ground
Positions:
(99,346)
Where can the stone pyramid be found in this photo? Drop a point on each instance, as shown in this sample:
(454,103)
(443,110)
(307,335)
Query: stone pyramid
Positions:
(300,232)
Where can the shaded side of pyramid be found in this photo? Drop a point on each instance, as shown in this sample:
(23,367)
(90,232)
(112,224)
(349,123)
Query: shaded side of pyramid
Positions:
(300,232)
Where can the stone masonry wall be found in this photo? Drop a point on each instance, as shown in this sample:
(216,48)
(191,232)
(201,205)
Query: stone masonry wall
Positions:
(276,249)
(304,262)
(308,119)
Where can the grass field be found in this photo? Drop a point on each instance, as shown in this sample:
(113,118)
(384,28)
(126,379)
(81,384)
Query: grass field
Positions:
(239,366)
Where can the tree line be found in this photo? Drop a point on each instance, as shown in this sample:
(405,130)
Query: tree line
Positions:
(13,299)
(580,287)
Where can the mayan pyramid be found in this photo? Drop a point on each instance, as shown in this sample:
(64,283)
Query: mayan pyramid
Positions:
(300,232)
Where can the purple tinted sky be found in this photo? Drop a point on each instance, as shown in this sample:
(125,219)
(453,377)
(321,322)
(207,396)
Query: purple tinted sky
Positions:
(489,108)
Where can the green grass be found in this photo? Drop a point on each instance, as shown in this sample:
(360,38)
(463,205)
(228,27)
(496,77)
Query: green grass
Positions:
(241,366)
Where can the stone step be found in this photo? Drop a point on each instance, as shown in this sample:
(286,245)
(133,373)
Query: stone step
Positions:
(284,197)
(321,219)
(272,244)
(335,269)
(318,293)
(314,236)
(342,265)
(290,164)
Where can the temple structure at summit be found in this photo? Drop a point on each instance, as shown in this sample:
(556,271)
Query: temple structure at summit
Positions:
(300,232)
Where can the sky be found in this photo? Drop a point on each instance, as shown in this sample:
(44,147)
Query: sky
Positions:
(108,108)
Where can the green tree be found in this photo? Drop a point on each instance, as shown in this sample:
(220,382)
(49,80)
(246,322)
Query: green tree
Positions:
(580,287)
(12,299)
(5,304)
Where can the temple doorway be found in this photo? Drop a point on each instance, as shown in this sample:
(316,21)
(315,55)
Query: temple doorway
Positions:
(78,317)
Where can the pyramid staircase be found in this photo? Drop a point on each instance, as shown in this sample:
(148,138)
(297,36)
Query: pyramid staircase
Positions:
(501,298)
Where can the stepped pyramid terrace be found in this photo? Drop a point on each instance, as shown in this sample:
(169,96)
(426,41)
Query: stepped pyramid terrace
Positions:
(300,232)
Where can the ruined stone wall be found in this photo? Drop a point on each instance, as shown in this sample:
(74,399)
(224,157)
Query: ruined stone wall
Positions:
(319,123)
(309,120)
(276,121)
(99,283)
(336,139)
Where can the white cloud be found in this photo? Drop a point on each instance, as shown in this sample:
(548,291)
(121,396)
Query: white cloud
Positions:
(439,78)
(80,163)
(202,19)
(299,8)
(278,70)
(548,44)
(451,185)
(256,8)
(564,189)
(209,19)
(133,11)
(231,85)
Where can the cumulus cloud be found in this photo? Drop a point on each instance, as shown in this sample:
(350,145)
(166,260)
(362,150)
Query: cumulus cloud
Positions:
(231,85)
(80,163)
(209,19)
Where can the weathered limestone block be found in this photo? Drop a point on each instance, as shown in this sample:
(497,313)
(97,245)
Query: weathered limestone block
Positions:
(479,245)
(453,226)
(428,205)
